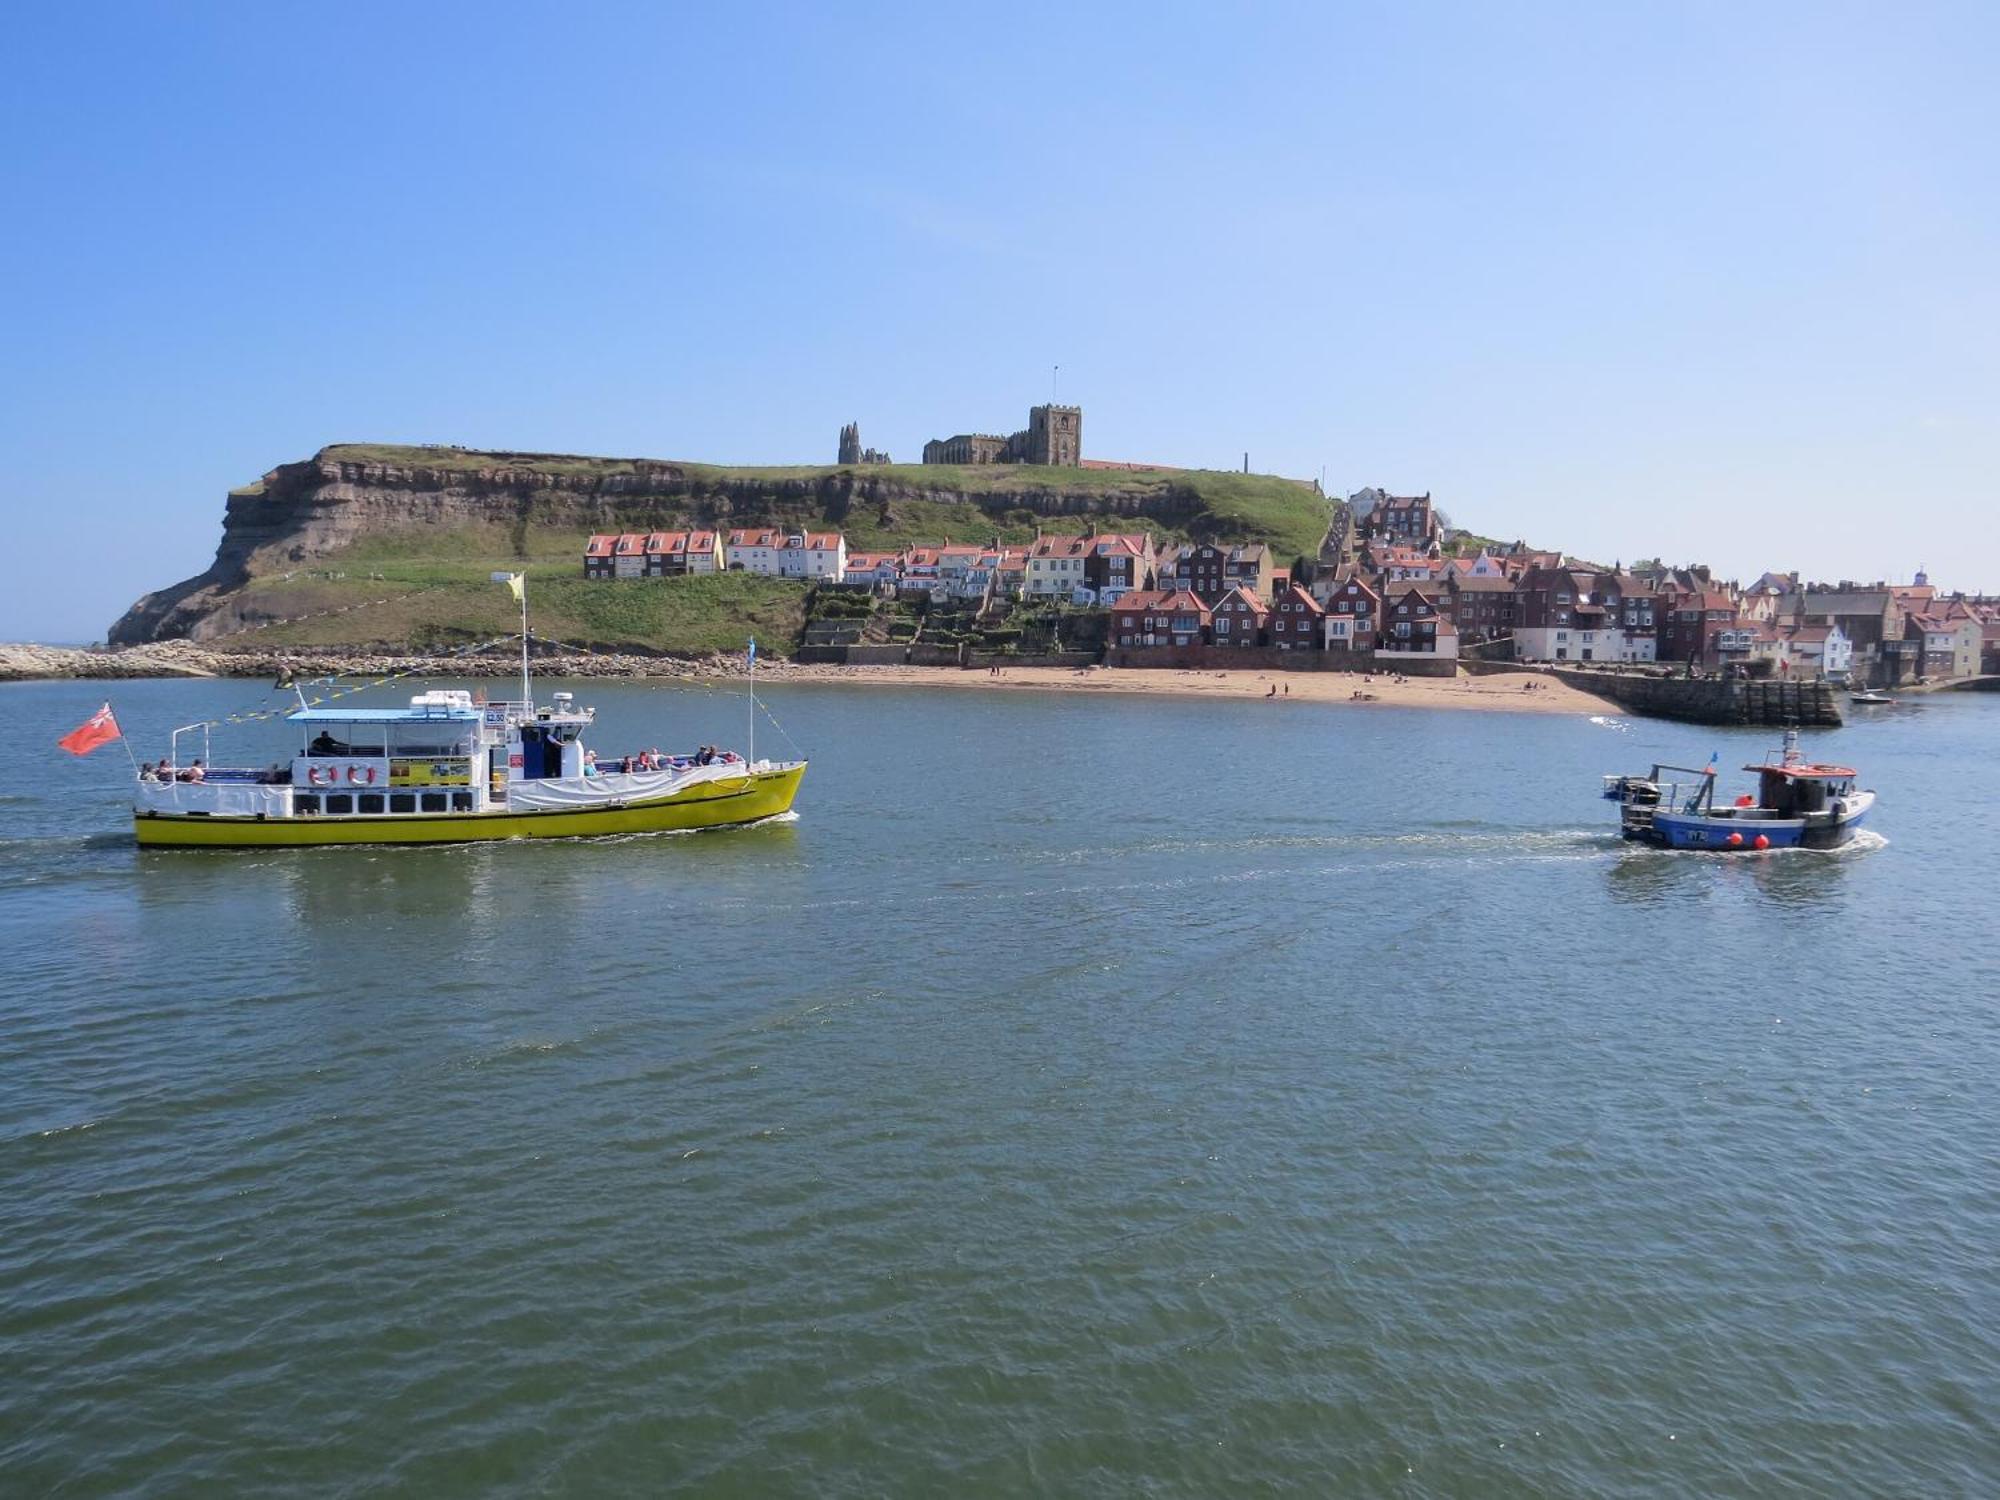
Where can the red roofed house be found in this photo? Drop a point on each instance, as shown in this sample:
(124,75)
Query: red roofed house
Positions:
(704,552)
(1951,646)
(598,560)
(666,553)
(753,551)
(1159,617)
(870,567)
(1055,566)
(1353,610)
(1114,565)
(812,554)
(628,555)
(1295,620)
(1239,619)
(1413,623)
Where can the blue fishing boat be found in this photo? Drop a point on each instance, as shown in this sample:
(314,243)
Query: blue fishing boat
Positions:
(1798,803)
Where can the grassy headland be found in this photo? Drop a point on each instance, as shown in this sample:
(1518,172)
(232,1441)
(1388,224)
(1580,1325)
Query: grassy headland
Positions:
(416,575)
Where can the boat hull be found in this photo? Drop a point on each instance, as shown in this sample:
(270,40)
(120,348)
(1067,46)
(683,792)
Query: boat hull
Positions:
(1711,835)
(711,804)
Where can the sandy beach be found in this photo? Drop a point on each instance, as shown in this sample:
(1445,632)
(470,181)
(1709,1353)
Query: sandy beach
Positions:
(1504,693)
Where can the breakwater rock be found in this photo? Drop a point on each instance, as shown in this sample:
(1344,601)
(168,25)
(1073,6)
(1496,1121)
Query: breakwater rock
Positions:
(20,663)
(1712,700)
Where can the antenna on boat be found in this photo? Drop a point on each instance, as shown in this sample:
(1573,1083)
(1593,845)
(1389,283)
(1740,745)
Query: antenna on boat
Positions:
(517,583)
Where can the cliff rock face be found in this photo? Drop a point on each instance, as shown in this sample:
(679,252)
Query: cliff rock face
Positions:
(300,512)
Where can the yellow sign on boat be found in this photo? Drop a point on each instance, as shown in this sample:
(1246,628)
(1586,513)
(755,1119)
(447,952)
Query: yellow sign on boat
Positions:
(453,771)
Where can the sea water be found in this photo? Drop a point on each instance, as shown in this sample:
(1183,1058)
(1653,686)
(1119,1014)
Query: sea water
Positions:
(1080,1095)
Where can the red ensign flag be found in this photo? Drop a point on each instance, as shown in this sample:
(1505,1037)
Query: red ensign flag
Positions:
(99,729)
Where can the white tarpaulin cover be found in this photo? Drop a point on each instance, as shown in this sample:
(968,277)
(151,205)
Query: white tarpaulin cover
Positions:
(224,799)
(576,793)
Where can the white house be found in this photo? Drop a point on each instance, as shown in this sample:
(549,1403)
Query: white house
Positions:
(1055,566)
(812,554)
(871,567)
(1824,650)
(754,551)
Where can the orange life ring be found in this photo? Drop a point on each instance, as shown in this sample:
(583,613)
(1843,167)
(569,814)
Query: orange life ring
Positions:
(361,776)
(331,777)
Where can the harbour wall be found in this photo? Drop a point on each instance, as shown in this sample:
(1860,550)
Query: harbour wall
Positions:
(1712,700)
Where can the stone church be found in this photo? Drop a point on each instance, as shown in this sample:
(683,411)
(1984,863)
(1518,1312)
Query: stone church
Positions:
(1054,435)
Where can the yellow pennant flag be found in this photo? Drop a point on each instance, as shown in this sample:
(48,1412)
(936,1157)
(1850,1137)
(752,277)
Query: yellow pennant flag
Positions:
(517,586)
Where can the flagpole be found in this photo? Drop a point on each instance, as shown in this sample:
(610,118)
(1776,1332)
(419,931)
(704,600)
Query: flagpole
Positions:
(126,743)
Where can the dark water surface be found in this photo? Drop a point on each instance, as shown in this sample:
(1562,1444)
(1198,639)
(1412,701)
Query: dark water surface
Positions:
(1079,1097)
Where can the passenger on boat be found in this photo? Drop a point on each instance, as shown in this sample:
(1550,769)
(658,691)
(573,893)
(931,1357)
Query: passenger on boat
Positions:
(147,773)
(705,755)
(325,744)
(590,763)
(195,772)
(625,765)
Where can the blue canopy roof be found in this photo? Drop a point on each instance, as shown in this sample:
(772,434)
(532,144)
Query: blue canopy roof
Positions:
(382,715)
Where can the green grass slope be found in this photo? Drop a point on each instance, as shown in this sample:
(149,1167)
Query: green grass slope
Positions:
(420,587)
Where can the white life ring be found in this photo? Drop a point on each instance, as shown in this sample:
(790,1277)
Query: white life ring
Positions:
(330,778)
(361,776)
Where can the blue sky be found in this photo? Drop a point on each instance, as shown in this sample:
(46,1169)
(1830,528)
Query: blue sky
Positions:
(1711,281)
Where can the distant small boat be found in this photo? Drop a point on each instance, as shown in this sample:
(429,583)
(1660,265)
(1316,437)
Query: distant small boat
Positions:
(1798,803)
(1869,695)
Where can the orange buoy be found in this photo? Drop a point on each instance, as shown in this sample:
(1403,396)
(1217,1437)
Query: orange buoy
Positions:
(1735,840)
(1763,841)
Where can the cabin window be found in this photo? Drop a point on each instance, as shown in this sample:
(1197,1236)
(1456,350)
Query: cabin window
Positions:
(340,802)
(305,804)
(402,802)
(371,802)
(434,802)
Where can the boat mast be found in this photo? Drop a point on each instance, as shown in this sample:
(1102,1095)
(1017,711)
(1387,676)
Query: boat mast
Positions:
(750,757)
(518,582)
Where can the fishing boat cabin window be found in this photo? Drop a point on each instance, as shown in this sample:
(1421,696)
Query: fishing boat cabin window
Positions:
(371,802)
(435,802)
(402,802)
(341,802)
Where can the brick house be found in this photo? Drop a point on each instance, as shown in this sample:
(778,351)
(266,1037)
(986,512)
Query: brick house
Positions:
(1239,619)
(1353,611)
(1412,621)
(1209,572)
(1159,617)
(1481,605)
(1295,620)
(1114,565)
(598,560)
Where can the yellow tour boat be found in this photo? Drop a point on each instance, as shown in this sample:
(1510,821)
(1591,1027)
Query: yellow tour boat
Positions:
(447,770)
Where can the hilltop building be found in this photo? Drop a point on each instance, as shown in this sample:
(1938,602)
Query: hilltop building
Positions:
(851,451)
(1054,435)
